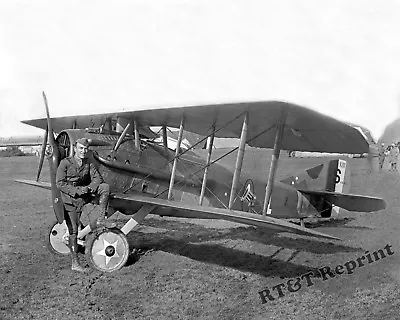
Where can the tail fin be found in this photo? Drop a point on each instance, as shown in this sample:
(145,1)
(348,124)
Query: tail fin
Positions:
(338,180)
(333,176)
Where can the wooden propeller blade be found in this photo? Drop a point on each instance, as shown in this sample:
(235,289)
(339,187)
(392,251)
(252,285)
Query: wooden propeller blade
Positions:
(54,160)
(43,151)
(49,126)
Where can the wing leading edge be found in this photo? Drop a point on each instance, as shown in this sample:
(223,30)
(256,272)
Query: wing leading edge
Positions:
(40,184)
(304,129)
(202,212)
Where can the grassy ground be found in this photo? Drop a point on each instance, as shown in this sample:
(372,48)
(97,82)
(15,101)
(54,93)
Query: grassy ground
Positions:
(189,269)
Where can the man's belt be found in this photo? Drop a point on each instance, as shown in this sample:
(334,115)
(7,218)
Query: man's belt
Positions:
(73,183)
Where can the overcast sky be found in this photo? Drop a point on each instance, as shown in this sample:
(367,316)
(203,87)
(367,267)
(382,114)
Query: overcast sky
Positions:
(339,57)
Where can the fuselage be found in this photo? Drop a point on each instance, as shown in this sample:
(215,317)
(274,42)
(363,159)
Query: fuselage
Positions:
(147,171)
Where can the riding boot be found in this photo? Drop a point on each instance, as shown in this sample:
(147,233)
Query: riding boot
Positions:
(73,247)
(102,220)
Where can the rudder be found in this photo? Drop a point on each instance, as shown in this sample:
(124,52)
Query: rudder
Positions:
(333,176)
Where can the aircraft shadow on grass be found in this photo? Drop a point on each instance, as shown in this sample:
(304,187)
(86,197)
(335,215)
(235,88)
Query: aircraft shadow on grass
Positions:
(332,222)
(228,257)
(196,233)
(195,244)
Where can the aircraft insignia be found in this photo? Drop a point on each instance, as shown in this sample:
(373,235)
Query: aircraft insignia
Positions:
(248,194)
(109,250)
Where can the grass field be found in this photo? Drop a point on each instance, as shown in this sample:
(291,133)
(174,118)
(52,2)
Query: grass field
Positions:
(196,269)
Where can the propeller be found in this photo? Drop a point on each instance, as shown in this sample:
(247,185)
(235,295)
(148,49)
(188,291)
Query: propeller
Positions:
(53,156)
(43,151)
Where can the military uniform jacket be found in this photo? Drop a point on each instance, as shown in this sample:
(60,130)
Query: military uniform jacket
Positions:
(70,177)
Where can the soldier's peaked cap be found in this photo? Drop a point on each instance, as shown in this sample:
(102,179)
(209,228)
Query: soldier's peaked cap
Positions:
(83,141)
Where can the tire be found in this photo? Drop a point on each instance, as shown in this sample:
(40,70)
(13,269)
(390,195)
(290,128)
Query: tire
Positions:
(107,250)
(57,239)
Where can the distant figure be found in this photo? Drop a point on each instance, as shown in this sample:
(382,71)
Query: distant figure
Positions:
(393,157)
(381,155)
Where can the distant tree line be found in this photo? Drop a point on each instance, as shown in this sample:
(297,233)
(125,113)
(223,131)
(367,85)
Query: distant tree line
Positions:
(13,151)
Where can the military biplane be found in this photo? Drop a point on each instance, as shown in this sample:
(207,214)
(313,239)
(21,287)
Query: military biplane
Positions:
(146,176)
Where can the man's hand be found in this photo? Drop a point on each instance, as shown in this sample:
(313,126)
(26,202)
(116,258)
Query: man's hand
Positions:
(80,191)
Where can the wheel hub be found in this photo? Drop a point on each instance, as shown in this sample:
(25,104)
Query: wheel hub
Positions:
(110,250)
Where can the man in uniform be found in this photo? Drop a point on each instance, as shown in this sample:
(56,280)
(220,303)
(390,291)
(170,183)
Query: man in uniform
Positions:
(393,157)
(78,181)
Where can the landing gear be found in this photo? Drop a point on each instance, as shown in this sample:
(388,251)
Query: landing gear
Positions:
(57,239)
(107,250)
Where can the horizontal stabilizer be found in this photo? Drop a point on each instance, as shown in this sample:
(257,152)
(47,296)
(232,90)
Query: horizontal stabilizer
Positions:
(203,212)
(40,184)
(350,202)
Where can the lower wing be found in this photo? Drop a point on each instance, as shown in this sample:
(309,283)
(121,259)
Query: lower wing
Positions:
(202,212)
(40,184)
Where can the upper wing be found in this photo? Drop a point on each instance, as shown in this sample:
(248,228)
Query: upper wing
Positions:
(351,202)
(305,129)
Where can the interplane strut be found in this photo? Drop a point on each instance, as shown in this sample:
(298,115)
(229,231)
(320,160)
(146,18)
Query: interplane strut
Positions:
(210,143)
(274,161)
(177,150)
(239,161)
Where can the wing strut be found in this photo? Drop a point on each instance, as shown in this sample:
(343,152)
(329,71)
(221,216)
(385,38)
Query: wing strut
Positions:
(274,161)
(210,146)
(121,137)
(239,161)
(173,172)
(164,137)
(107,126)
(137,137)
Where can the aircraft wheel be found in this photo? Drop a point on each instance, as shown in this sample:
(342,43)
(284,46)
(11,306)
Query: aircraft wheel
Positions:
(57,238)
(107,250)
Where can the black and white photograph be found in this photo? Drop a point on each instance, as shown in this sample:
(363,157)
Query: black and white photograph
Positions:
(199,159)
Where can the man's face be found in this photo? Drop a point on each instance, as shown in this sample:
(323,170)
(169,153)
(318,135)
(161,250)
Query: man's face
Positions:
(80,151)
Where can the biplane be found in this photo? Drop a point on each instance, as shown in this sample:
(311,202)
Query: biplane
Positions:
(147,176)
